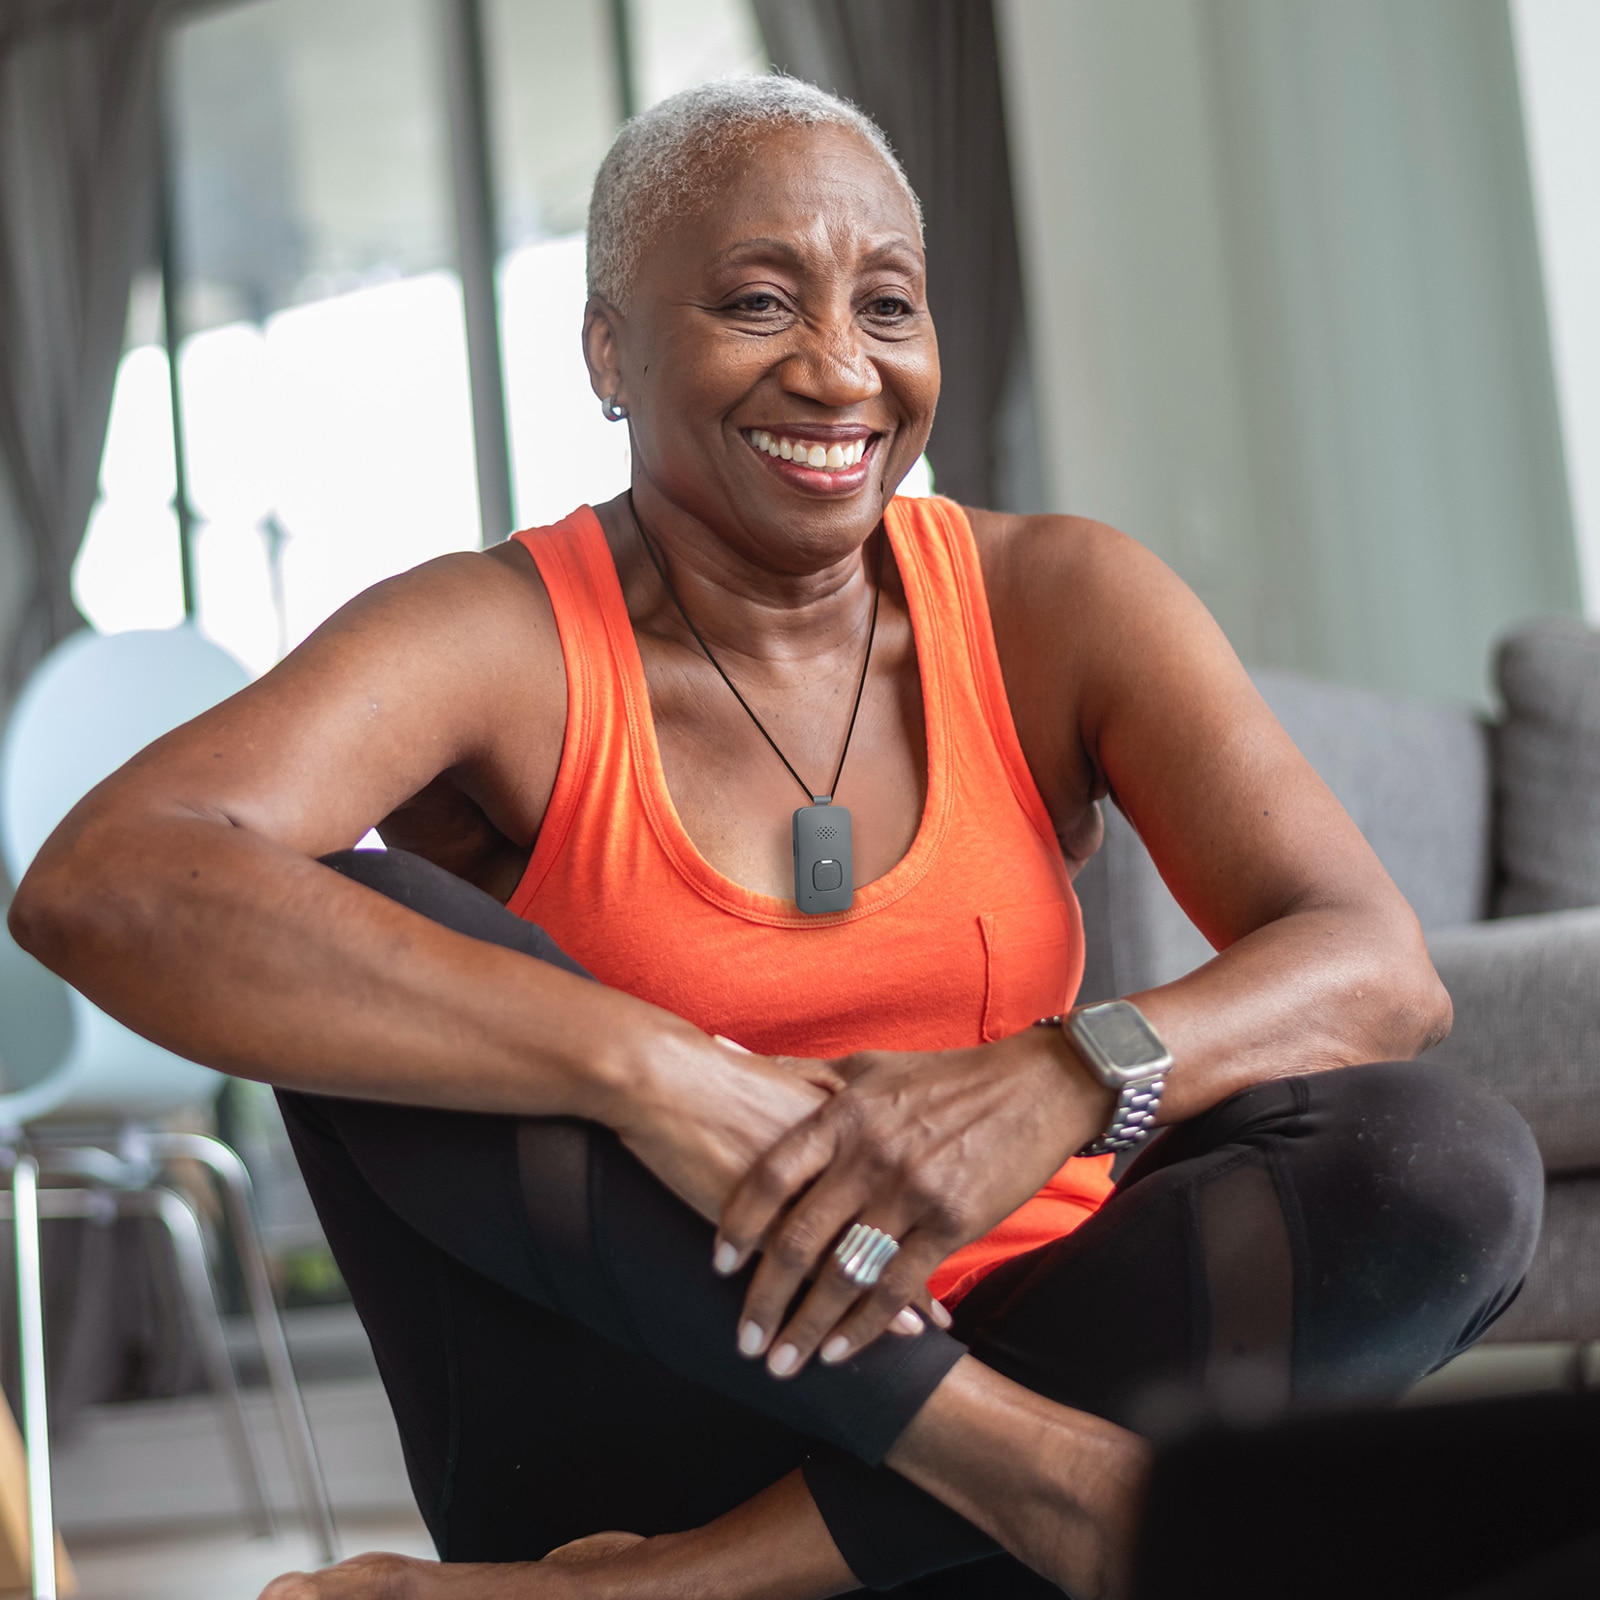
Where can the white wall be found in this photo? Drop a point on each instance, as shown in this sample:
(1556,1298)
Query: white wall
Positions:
(1141,414)
(1285,298)
(1558,60)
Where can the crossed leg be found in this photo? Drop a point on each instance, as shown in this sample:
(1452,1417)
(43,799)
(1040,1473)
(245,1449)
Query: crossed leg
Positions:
(1311,1239)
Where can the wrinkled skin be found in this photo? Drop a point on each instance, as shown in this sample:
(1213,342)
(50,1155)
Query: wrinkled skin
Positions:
(184,898)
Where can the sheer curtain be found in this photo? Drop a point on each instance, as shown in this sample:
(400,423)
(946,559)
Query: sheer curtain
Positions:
(78,184)
(928,72)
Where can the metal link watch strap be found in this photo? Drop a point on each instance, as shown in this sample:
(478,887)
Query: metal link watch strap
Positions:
(1133,1118)
(1132,1122)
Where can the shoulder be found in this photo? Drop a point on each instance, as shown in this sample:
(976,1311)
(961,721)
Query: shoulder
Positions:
(455,655)
(1046,560)
(1086,622)
(450,617)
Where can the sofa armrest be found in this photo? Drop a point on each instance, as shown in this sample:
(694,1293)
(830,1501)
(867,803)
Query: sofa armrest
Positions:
(1527,1003)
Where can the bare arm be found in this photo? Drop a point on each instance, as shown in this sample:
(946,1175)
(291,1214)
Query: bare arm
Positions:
(183,894)
(1322,962)
(1118,680)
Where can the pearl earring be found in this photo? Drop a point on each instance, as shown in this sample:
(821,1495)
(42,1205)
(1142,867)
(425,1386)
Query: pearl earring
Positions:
(613,412)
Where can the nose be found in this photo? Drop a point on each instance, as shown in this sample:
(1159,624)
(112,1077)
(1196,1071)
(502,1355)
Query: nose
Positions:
(832,366)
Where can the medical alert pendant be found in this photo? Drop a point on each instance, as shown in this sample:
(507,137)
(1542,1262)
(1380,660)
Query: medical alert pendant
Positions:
(824,877)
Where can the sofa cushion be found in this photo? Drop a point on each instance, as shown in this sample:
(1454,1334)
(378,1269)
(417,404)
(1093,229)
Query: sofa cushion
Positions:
(1414,775)
(1547,768)
(1527,1024)
(1561,1299)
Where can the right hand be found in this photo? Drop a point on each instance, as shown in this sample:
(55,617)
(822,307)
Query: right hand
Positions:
(713,1109)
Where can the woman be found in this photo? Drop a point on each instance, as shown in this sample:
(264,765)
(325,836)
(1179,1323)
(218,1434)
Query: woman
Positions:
(621,1272)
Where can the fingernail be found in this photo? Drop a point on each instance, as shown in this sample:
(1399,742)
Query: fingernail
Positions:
(725,1259)
(732,1044)
(784,1360)
(836,1349)
(751,1338)
(939,1314)
(908,1321)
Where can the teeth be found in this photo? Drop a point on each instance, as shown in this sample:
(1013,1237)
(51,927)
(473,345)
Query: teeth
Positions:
(829,458)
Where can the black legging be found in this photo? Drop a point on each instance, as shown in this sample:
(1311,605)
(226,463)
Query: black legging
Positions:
(560,1356)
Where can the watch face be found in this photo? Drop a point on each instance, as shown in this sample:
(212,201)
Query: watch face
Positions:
(1123,1037)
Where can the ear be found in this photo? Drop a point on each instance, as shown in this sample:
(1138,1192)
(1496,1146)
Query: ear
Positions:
(602,338)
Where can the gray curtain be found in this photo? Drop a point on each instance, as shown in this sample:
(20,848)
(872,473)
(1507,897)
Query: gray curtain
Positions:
(928,72)
(79,151)
(79,125)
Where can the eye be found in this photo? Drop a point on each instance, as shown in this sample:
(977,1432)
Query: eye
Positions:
(759,303)
(888,308)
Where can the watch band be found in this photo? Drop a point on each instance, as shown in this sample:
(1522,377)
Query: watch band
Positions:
(1133,1118)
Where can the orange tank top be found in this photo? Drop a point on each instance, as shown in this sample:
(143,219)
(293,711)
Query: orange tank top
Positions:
(972,936)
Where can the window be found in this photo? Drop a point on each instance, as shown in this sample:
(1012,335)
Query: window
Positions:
(324,401)
(556,97)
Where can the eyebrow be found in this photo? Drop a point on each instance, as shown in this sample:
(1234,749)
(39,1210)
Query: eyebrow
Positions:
(896,245)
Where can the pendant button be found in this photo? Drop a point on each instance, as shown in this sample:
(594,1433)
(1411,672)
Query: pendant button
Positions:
(826,875)
(824,878)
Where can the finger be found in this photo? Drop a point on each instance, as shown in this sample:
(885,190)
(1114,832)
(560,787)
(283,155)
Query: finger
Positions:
(767,1189)
(929,1309)
(912,1319)
(822,1073)
(831,1297)
(880,1308)
(796,1248)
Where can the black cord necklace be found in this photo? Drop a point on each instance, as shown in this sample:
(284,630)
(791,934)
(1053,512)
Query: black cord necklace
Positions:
(824,879)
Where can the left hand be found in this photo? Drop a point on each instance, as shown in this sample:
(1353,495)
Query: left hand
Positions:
(933,1147)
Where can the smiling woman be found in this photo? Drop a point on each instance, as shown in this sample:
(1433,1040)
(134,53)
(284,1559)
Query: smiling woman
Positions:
(852,1300)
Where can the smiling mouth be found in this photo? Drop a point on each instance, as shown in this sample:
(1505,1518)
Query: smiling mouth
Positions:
(837,457)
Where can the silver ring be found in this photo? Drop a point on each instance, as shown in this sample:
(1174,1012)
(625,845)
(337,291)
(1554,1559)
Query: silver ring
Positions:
(863,1253)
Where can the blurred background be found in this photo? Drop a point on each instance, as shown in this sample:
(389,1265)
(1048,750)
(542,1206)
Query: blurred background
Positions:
(1304,294)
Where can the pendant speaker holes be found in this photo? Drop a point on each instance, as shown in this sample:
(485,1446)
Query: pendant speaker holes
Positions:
(827,832)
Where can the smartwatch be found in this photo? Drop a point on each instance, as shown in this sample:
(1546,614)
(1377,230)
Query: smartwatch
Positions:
(1116,1042)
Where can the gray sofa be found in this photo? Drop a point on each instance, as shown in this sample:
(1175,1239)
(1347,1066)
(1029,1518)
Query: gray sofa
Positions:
(1492,831)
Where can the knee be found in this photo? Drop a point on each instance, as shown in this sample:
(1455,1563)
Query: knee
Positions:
(1448,1159)
(388,872)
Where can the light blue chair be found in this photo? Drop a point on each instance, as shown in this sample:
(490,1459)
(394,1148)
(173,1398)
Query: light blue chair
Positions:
(81,1096)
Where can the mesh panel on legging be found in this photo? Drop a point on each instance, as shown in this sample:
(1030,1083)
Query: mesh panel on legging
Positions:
(1311,1240)
(1398,1202)
(596,1236)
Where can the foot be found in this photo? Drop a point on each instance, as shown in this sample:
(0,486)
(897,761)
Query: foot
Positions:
(375,1576)
(1060,1489)
(380,1576)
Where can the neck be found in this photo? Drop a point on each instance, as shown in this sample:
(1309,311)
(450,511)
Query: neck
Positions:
(766,603)
(699,639)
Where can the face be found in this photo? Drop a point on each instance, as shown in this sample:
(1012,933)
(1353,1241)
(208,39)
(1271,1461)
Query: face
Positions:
(778,362)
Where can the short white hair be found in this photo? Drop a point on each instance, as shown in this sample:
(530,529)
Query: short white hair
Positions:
(664,161)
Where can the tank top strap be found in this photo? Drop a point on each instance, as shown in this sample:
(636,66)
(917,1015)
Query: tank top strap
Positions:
(592,622)
(610,762)
(938,554)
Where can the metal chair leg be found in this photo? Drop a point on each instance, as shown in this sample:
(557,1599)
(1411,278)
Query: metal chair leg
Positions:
(194,1278)
(299,1444)
(35,1407)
